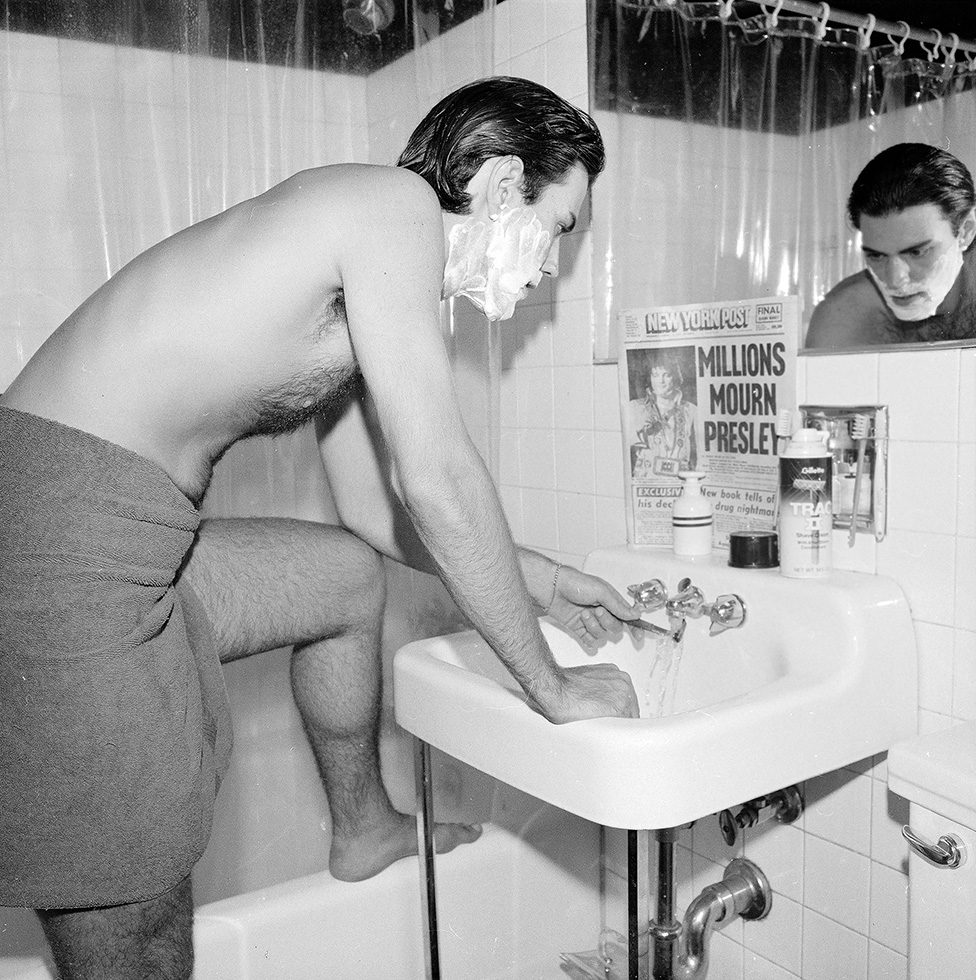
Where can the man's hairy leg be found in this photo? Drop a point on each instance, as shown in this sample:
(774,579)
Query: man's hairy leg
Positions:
(276,583)
(122,942)
(336,685)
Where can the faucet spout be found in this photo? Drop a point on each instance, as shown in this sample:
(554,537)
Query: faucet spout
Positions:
(687,603)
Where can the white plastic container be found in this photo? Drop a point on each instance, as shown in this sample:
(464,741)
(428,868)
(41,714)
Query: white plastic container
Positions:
(805,509)
(691,518)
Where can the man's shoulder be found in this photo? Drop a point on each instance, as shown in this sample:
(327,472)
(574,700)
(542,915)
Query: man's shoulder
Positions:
(848,315)
(856,288)
(361,185)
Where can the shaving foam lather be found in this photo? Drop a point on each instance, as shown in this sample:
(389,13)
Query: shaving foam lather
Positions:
(494,263)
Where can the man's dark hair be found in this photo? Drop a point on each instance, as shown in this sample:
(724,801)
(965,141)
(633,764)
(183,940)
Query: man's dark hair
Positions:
(910,174)
(501,116)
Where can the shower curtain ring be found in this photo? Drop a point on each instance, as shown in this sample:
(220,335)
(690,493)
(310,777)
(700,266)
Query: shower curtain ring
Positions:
(935,47)
(822,26)
(864,33)
(900,45)
(951,55)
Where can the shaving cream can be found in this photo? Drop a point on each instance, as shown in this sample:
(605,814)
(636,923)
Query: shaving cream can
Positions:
(805,510)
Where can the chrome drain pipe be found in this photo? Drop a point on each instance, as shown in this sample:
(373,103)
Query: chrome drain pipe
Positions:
(743,892)
(681,948)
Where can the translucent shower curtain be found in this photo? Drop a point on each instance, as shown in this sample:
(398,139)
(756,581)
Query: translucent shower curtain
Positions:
(734,141)
(121,123)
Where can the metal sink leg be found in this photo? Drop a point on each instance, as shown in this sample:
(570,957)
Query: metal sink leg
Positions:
(425,838)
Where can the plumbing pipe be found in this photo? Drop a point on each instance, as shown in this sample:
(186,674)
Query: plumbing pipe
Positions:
(680,950)
(743,892)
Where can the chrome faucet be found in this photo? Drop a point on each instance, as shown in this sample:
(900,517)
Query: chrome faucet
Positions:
(649,595)
(726,612)
(687,603)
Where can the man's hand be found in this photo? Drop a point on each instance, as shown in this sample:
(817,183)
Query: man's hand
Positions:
(589,608)
(591,691)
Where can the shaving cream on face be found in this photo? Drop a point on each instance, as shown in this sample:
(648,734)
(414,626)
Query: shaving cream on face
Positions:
(494,263)
(926,294)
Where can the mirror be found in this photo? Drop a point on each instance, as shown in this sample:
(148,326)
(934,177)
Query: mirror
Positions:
(735,132)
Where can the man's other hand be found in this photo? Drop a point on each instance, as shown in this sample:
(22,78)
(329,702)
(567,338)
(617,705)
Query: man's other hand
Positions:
(591,691)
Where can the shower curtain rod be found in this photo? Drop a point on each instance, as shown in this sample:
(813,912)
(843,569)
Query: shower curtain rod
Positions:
(897,31)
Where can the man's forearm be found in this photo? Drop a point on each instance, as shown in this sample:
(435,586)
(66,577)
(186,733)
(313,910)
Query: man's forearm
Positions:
(464,530)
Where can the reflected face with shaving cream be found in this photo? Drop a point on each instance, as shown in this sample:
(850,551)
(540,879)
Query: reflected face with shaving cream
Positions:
(914,258)
(495,262)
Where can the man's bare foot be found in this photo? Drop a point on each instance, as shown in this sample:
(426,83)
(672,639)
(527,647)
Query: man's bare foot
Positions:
(368,852)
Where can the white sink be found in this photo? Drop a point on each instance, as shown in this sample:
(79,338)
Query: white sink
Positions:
(821,675)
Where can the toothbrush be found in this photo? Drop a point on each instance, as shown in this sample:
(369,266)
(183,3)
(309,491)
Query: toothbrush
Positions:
(784,429)
(860,425)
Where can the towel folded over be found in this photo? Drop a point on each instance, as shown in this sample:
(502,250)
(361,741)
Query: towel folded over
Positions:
(114,728)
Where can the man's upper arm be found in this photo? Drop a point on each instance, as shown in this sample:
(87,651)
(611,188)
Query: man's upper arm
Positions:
(391,266)
(358,472)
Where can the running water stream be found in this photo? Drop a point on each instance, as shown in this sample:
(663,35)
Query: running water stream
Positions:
(662,681)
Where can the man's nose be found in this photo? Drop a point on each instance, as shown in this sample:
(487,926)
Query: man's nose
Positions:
(551,266)
(896,271)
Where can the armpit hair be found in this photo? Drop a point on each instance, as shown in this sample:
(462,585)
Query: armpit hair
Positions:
(322,392)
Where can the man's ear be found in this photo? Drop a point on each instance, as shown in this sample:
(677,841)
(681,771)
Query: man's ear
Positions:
(504,183)
(967,230)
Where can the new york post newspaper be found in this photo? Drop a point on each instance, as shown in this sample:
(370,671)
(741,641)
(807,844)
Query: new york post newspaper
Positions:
(702,387)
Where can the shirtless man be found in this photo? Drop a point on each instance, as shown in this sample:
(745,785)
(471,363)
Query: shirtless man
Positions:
(118,602)
(913,204)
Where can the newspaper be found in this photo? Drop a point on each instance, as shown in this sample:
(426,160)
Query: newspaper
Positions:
(702,387)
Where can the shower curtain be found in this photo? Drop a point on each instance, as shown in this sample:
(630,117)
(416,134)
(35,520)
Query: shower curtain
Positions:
(733,142)
(123,123)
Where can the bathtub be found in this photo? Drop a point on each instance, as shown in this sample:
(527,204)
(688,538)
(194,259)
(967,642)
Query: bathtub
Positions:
(508,904)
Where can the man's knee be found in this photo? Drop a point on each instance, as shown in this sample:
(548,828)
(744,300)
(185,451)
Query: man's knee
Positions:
(142,939)
(363,573)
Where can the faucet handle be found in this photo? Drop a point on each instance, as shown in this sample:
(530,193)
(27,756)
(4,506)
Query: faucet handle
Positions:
(727,612)
(689,601)
(649,595)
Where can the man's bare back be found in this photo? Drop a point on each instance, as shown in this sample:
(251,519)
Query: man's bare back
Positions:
(233,327)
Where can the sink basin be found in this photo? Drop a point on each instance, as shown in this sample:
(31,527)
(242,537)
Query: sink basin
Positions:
(821,674)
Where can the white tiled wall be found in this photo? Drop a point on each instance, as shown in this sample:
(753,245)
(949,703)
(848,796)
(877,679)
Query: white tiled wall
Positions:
(840,873)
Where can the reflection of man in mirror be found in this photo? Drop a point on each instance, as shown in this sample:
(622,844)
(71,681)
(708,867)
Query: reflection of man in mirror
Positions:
(662,418)
(913,205)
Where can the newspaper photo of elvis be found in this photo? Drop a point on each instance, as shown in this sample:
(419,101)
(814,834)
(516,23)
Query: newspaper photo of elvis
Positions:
(662,411)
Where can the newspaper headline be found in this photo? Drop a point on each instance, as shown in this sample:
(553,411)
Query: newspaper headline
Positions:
(702,387)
